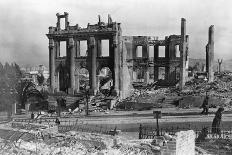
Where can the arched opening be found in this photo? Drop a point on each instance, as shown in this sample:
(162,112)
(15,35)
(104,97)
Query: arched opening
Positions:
(83,78)
(105,81)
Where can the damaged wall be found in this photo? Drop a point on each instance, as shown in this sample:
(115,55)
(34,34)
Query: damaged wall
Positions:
(129,58)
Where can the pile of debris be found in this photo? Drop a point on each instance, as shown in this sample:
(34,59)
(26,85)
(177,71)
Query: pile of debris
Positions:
(218,88)
(74,142)
(100,102)
(143,99)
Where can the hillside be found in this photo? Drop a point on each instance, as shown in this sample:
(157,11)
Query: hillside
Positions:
(226,64)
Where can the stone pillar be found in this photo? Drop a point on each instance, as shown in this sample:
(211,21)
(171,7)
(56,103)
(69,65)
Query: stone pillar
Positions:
(116,63)
(72,64)
(207,58)
(58,21)
(99,47)
(156,68)
(156,52)
(167,74)
(211,54)
(52,64)
(145,55)
(77,46)
(66,20)
(77,81)
(183,53)
(92,48)
(111,49)
(58,81)
(57,48)
(187,55)
(145,51)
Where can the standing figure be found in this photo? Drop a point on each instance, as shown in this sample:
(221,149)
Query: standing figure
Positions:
(205,105)
(57,121)
(216,125)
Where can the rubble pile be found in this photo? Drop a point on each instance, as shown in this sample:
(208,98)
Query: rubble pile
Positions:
(218,88)
(145,97)
(72,143)
(217,146)
(50,142)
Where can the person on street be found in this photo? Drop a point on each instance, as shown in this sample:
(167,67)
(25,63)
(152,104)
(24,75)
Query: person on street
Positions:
(216,125)
(57,121)
(205,106)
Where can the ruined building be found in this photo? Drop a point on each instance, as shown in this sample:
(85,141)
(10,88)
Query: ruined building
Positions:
(130,58)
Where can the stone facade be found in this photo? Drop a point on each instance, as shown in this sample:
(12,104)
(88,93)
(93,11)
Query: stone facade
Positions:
(122,59)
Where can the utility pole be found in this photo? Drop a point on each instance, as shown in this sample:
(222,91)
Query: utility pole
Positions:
(157,115)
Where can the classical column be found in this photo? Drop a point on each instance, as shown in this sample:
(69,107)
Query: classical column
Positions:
(116,63)
(183,53)
(207,58)
(58,21)
(111,48)
(66,20)
(72,64)
(167,74)
(77,46)
(99,47)
(58,81)
(57,48)
(145,51)
(77,54)
(145,55)
(156,68)
(77,81)
(92,48)
(211,54)
(52,64)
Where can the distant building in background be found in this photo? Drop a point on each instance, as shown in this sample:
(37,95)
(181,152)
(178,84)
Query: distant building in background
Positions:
(31,73)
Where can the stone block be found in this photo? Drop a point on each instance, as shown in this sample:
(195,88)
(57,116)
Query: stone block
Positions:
(185,143)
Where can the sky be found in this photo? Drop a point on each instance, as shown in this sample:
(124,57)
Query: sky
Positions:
(24,23)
